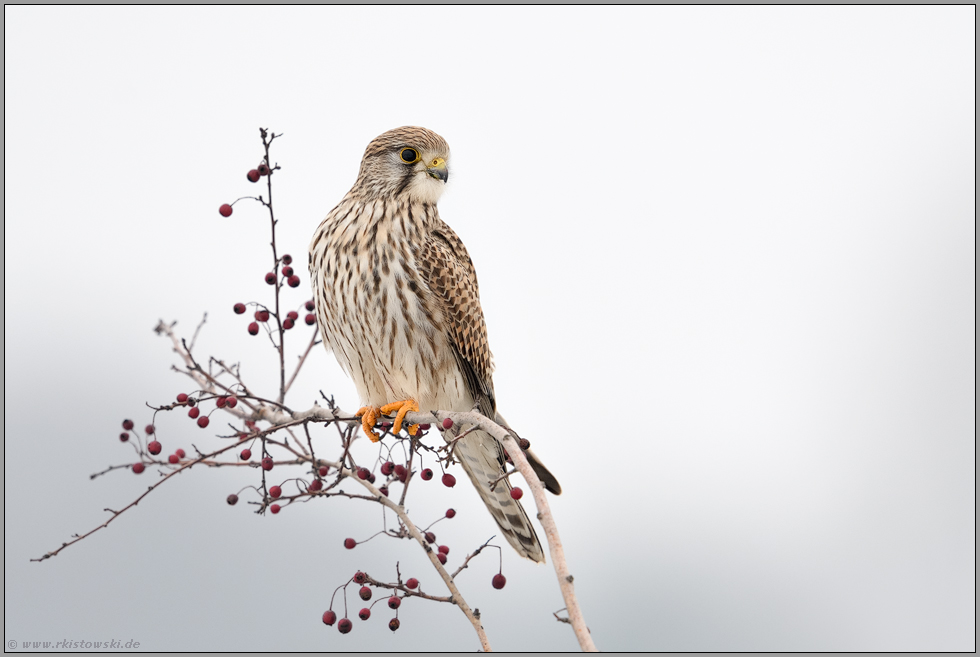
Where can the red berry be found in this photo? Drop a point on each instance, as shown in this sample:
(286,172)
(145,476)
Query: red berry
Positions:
(262,315)
(274,509)
(253,329)
(447,423)
(499,580)
(451,513)
(180,453)
(365,593)
(393,624)
(430,537)
(383,490)
(349,543)
(203,421)
(124,436)
(310,306)
(363,473)
(128,425)
(412,583)
(239,308)
(173,458)
(394,602)
(138,468)
(288,324)
(448,480)
(154,448)
(232,499)
(441,557)
(516,493)
(426,474)
(315,485)
(323,470)
(253,175)
(364,614)
(182,397)
(149,430)
(232,401)
(225,210)
(524,443)
(220,402)
(293,315)
(344,626)
(275,492)
(387,468)
(329,618)
(192,402)
(267,463)
(287,259)
(287,271)
(310,319)
(246,454)
(264,170)
(360,577)
(371,478)
(293,281)
(444,549)
(425,427)
(193,412)
(270,278)
(400,471)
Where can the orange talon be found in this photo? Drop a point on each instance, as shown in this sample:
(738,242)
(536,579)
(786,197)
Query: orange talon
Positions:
(402,407)
(369,416)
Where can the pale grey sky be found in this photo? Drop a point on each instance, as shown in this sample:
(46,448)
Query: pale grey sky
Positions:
(726,257)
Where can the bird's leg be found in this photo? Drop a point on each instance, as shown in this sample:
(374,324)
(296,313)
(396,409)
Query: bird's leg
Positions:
(402,407)
(369,416)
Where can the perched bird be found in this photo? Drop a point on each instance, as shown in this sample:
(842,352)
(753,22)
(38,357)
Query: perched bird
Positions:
(398,304)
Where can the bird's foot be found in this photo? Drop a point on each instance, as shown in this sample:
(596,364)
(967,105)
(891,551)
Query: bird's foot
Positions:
(402,407)
(369,416)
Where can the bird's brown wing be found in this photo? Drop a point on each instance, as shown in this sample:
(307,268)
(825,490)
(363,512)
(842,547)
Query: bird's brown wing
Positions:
(450,274)
(447,269)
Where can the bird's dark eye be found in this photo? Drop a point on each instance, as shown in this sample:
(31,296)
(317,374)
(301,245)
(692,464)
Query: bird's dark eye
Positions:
(409,155)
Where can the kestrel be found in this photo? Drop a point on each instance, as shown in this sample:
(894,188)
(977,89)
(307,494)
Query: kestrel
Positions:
(398,304)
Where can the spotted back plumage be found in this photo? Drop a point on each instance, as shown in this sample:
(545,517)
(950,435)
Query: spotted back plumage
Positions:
(398,304)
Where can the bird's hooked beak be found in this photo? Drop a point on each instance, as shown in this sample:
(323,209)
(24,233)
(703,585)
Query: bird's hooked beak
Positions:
(437,169)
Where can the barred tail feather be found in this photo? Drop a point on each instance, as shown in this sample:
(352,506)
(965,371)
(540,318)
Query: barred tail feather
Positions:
(482,458)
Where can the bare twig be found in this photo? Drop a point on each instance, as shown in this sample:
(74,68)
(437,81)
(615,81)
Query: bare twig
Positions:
(466,562)
(116,514)
(302,360)
(198,330)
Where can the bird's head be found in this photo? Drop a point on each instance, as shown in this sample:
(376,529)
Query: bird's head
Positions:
(409,160)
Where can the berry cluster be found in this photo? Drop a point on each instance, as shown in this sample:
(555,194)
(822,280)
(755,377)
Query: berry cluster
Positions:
(365,593)
(153,447)
(263,314)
